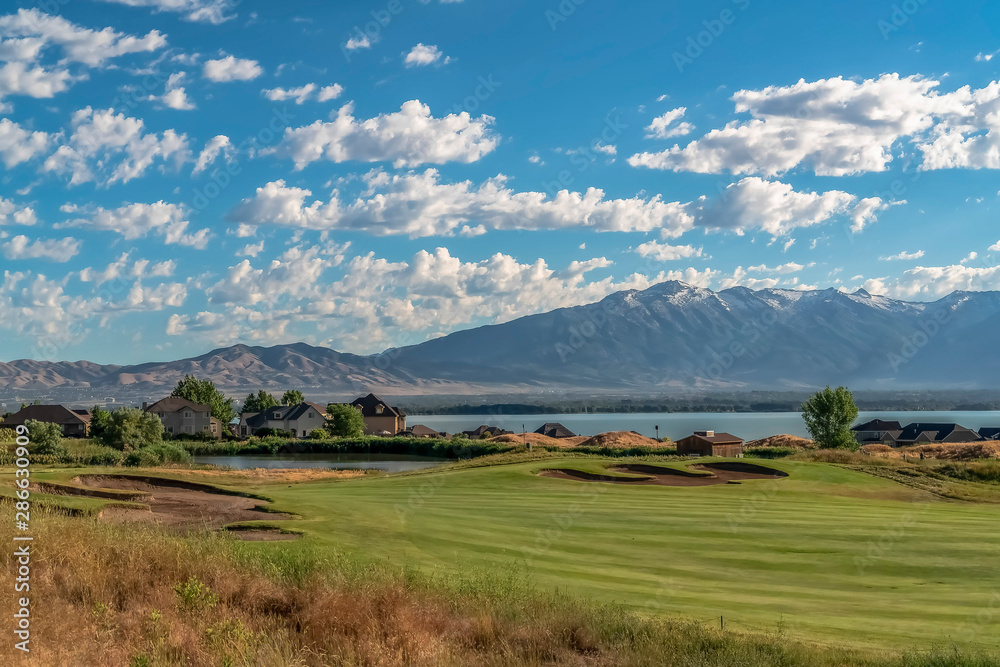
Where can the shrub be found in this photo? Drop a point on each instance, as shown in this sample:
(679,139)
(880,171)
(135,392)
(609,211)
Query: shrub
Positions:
(147,457)
(7,436)
(346,421)
(277,432)
(130,428)
(319,434)
(46,438)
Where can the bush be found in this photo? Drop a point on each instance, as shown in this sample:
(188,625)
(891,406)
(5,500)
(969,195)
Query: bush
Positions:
(130,428)
(46,438)
(346,421)
(276,432)
(146,457)
(8,436)
(319,434)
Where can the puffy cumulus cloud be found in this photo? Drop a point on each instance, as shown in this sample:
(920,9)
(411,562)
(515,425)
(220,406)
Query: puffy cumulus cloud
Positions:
(790,267)
(134,221)
(303,94)
(669,125)
(419,204)
(174,95)
(16,214)
(778,209)
(214,147)
(125,268)
(739,278)
(199,11)
(995,247)
(53,250)
(664,252)
(836,127)
(410,136)
(932,282)
(18,145)
(231,68)
(423,54)
(117,145)
(27,36)
(29,32)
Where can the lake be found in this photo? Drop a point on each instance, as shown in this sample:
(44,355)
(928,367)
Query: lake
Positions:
(676,425)
(386,462)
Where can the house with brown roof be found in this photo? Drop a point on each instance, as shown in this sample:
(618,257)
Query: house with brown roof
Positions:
(421,431)
(183,417)
(380,417)
(710,443)
(555,430)
(75,423)
(301,420)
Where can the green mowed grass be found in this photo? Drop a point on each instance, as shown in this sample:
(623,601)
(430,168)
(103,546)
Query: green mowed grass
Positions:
(827,554)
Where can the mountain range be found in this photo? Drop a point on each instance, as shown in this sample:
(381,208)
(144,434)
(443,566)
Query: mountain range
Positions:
(669,337)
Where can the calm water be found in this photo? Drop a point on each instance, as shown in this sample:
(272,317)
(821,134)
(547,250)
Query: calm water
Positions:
(387,462)
(747,425)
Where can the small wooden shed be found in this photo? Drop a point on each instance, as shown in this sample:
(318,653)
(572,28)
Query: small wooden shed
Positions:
(710,443)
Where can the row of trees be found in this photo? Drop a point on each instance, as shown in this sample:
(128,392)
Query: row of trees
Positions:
(262,400)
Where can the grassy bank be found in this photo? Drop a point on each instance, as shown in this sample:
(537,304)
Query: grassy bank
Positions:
(130,595)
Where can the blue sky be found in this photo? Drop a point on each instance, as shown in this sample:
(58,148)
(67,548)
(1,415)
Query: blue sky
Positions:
(178,175)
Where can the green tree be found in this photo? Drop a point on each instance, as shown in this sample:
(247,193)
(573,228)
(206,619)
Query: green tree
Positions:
(292,397)
(205,393)
(258,402)
(45,437)
(131,428)
(98,421)
(345,421)
(828,416)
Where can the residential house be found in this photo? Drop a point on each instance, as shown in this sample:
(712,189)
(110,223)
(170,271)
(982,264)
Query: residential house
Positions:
(990,433)
(183,417)
(301,420)
(478,432)
(710,443)
(922,433)
(74,423)
(874,431)
(380,417)
(421,431)
(555,430)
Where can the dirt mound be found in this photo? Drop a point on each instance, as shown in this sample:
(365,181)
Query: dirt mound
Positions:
(183,506)
(620,439)
(537,439)
(959,451)
(783,440)
(709,474)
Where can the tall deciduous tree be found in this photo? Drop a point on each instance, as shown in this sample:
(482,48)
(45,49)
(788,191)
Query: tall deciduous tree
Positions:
(205,393)
(258,402)
(293,397)
(828,416)
(130,428)
(345,421)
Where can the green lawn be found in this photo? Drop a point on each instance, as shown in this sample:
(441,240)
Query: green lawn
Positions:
(826,554)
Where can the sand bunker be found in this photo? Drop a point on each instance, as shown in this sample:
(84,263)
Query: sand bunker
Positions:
(183,506)
(708,474)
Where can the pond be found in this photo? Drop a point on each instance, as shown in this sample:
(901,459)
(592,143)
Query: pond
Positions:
(386,462)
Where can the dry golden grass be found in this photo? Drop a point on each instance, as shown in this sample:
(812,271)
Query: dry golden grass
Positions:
(960,451)
(621,439)
(538,439)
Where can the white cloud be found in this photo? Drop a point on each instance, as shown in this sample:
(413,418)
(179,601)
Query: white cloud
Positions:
(790,267)
(14,214)
(303,94)
(113,143)
(251,249)
(904,256)
(200,11)
(930,282)
(607,149)
(134,221)
(837,127)
(995,247)
(18,145)
(230,68)
(215,146)
(174,96)
(53,250)
(355,43)
(410,136)
(664,253)
(29,32)
(419,204)
(666,126)
(422,55)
